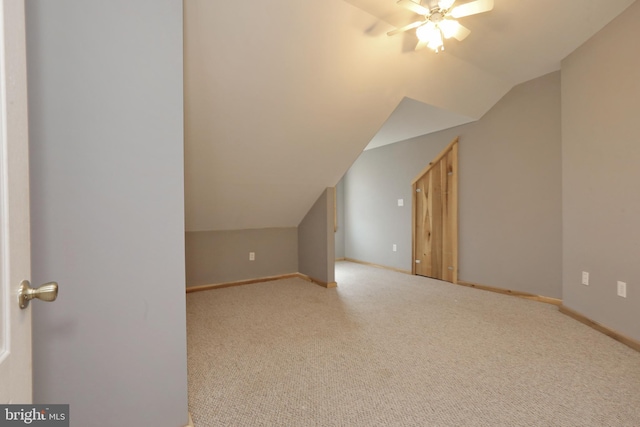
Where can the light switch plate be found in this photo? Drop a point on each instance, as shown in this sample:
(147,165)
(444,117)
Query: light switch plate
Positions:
(622,289)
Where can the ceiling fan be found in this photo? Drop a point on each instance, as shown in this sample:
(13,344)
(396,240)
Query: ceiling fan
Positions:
(439,21)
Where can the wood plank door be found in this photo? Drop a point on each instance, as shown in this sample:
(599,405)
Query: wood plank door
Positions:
(435,217)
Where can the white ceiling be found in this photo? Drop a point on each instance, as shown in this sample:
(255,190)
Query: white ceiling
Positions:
(282,96)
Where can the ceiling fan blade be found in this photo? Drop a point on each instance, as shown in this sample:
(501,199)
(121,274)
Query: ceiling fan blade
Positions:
(452,28)
(405,28)
(446,4)
(478,6)
(414,7)
(421,45)
(461,33)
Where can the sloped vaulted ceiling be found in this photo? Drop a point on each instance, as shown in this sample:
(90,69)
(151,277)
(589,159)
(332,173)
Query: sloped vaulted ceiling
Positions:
(281,96)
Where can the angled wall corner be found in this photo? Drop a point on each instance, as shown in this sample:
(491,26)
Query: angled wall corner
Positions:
(340,222)
(316,240)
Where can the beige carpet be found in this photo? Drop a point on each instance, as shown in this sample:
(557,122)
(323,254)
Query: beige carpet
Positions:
(388,349)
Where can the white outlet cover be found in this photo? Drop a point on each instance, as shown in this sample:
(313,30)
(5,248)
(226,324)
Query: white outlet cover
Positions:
(400,202)
(395,248)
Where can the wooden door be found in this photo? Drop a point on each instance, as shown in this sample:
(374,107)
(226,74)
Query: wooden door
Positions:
(435,217)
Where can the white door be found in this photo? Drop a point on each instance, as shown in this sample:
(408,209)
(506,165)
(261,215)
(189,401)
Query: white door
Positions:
(15,261)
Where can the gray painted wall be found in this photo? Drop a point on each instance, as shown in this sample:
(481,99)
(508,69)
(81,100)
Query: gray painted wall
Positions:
(340,232)
(106,129)
(509,194)
(601,158)
(316,239)
(223,256)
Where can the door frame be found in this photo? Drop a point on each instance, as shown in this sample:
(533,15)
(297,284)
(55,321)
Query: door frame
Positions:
(15,253)
(451,147)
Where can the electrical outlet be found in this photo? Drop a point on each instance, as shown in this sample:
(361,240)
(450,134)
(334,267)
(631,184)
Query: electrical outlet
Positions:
(622,289)
(400,202)
(395,248)
(585,278)
(252,256)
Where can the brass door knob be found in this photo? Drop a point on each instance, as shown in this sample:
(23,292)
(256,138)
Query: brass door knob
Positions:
(46,292)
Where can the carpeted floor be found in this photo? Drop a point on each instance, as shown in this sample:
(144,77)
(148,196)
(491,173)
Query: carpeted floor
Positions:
(389,349)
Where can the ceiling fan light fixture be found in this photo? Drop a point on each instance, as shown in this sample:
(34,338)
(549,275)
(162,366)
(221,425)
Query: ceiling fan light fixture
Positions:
(436,44)
(437,24)
(431,34)
(424,32)
(449,28)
